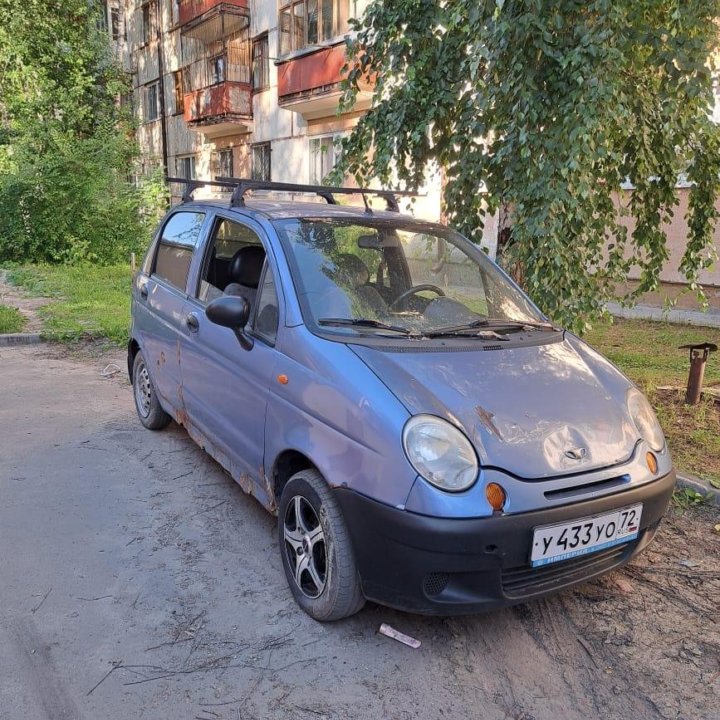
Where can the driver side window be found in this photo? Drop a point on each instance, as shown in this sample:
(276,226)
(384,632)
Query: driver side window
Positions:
(234,263)
(266,320)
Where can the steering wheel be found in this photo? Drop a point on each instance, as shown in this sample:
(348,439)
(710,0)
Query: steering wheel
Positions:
(413,291)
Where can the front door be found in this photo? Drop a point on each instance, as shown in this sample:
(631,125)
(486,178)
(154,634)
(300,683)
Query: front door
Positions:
(225,386)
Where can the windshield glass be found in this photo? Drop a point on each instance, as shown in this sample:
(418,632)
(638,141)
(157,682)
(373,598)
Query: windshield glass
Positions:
(396,278)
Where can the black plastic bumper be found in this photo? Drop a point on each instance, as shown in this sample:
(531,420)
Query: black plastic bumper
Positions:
(446,566)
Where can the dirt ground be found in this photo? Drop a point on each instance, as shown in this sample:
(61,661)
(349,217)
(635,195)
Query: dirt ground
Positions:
(27,305)
(138,581)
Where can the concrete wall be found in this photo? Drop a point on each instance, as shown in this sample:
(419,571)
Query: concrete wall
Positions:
(677,233)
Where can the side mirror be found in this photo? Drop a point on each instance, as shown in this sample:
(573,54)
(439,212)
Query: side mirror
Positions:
(231,311)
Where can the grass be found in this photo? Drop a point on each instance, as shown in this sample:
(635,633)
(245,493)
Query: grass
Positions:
(11,320)
(93,302)
(648,353)
(90,302)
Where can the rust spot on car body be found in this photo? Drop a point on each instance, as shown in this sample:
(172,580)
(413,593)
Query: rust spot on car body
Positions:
(486,418)
(181,416)
(243,479)
(270,490)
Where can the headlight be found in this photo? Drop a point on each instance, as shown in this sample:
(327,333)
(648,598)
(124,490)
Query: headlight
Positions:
(440,453)
(645,421)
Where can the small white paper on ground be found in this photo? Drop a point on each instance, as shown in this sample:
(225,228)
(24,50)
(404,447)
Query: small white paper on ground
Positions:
(391,632)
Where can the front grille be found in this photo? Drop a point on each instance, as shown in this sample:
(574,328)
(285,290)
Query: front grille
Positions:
(525,581)
(435,583)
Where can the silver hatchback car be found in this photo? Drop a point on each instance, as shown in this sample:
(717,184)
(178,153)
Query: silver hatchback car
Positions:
(426,437)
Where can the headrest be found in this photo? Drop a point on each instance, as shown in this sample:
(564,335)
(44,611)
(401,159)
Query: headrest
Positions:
(351,270)
(246,265)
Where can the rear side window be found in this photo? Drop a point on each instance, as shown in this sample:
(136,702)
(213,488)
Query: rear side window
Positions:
(175,249)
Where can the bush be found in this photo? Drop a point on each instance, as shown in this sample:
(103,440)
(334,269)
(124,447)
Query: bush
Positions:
(66,148)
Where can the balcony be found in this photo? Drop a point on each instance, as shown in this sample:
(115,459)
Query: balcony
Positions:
(224,109)
(216,69)
(193,10)
(310,84)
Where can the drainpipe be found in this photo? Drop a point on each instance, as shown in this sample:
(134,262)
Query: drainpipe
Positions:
(161,71)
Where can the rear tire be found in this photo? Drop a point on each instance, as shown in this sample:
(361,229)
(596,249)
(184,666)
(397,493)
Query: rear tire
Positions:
(147,405)
(316,550)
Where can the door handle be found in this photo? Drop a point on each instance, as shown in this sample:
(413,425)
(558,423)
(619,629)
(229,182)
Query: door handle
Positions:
(192,322)
(144,292)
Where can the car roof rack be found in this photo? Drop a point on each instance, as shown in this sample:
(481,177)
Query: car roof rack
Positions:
(241,185)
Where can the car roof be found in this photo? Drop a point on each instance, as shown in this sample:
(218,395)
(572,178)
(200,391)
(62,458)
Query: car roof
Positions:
(282,210)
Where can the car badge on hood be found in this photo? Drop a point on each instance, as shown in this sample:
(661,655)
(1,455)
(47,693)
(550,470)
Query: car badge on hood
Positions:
(576,453)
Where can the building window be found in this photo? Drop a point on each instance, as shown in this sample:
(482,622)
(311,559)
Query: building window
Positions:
(261,162)
(178,92)
(151,102)
(310,22)
(217,60)
(260,63)
(217,70)
(127,103)
(186,167)
(175,10)
(115,23)
(223,165)
(322,157)
(147,23)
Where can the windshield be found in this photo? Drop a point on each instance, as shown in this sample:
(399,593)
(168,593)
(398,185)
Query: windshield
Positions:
(376,277)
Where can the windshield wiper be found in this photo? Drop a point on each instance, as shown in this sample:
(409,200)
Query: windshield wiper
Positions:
(363,323)
(476,326)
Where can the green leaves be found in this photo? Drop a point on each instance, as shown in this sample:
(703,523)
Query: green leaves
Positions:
(546,109)
(65,152)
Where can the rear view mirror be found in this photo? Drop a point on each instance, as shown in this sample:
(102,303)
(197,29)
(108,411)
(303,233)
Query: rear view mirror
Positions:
(377,241)
(369,242)
(233,312)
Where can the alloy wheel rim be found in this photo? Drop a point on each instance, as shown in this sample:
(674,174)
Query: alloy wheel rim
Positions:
(143,391)
(305,547)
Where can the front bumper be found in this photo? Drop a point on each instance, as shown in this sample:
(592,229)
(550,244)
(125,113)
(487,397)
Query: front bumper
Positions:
(449,566)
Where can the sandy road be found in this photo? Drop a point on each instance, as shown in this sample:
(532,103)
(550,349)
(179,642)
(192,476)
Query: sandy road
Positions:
(138,581)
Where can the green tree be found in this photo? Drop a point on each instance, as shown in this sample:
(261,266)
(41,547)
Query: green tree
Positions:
(66,148)
(545,108)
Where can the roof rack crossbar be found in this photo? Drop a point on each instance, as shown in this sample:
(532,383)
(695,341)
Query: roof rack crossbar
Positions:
(241,185)
(192,185)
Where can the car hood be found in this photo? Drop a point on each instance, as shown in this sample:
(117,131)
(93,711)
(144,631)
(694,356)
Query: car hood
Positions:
(534,411)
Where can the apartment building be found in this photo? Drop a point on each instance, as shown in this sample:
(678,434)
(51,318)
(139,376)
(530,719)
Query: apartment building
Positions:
(248,88)
(236,87)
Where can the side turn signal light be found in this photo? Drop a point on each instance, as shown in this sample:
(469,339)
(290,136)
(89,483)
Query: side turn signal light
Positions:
(495,496)
(652,463)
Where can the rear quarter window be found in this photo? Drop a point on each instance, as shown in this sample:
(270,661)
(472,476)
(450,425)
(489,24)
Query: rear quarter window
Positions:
(178,240)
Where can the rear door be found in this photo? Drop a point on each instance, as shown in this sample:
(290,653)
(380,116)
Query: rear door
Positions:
(226,387)
(160,295)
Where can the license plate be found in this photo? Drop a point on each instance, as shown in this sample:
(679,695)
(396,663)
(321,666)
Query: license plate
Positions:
(553,543)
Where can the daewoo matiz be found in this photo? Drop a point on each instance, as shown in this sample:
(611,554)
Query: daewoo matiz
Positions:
(426,437)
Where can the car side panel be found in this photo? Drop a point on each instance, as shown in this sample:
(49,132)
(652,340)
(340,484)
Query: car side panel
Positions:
(157,329)
(336,412)
(225,391)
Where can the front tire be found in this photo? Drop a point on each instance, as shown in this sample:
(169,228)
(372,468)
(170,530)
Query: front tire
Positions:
(316,550)
(147,405)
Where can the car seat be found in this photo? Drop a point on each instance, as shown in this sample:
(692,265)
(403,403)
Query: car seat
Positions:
(245,270)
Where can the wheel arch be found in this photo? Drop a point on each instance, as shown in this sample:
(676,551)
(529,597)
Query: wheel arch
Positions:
(133,350)
(286,464)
